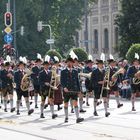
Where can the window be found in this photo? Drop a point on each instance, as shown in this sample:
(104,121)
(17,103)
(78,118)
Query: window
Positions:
(96,39)
(106,39)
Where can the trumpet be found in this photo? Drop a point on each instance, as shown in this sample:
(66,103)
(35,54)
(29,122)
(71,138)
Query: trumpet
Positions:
(114,77)
(136,79)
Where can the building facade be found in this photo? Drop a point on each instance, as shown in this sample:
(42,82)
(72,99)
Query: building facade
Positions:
(102,32)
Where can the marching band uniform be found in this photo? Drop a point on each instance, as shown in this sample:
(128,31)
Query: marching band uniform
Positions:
(71,88)
(46,91)
(76,67)
(58,99)
(114,88)
(132,70)
(7,86)
(17,79)
(88,69)
(35,77)
(98,84)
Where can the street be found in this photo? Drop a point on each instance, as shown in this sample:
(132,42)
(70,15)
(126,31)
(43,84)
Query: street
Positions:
(122,124)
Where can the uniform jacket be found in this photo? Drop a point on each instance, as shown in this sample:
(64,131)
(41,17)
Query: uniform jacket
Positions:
(70,80)
(97,76)
(35,75)
(17,78)
(43,78)
(87,81)
(131,72)
(6,81)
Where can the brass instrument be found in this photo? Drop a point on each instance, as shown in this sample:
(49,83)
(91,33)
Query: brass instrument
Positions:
(114,77)
(86,75)
(136,79)
(55,80)
(25,82)
(105,85)
(106,79)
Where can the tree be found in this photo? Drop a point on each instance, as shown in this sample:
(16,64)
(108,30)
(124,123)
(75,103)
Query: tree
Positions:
(135,48)
(129,25)
(64,16)
(53,53)
(81,54)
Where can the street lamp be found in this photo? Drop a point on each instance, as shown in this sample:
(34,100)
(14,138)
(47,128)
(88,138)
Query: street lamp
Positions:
(40,26)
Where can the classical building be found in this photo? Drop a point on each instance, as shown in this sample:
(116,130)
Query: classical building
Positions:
(102,32)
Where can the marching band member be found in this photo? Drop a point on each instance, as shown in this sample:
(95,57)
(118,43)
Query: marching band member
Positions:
(45,77)
(58,99)
(7,86)
(81,95)
(35,77)
(88,68)
(98,84)
(18,81)
(1,68)
(131,74)
(114,88)
(71,88)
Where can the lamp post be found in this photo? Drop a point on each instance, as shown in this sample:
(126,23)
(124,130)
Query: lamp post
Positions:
(40,25)
(14,27)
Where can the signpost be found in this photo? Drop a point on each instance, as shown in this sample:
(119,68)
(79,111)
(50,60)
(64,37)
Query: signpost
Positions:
(8,38)
(7,30)
(50,41)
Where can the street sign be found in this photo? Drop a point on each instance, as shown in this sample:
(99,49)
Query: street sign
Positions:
(8,38)
(7,30)
(50,41)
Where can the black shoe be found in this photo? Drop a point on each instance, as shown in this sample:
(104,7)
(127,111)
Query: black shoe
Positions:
(30,111)
(59,108)
(31,103)
(120,105)
(98,103)
(8,102)
(82,111)
(36,106)
(18,112)
(133,109)
(66,120)
(54,116)
(21,104)
(79,120)
(83,102)
(0,106)
(45,106)
(87,104)
(95,113)
(107,114)
(72,110)
(5,110)
(42,116)
(13,109)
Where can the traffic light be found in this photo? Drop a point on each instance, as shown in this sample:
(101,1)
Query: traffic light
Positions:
(8,19)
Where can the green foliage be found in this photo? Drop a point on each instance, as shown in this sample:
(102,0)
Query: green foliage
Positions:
(135,48)
(129,25)
(81,54)
(64,16)
(53,53)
